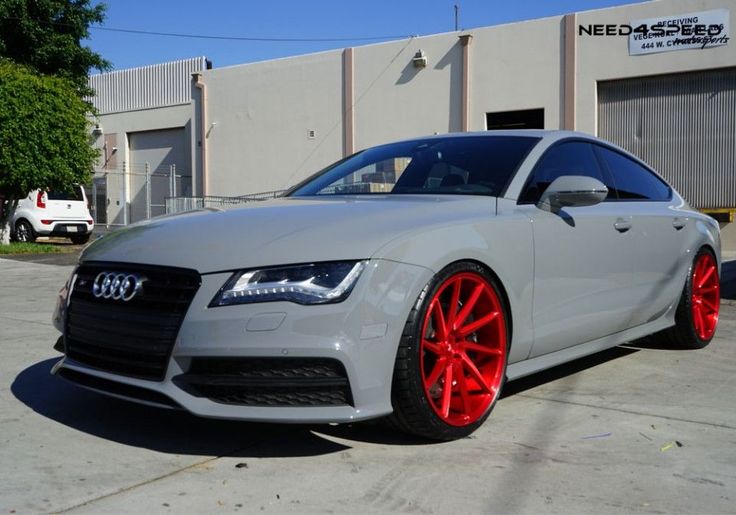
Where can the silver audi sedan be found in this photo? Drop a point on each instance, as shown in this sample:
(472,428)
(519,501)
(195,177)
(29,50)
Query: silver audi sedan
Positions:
(409,280)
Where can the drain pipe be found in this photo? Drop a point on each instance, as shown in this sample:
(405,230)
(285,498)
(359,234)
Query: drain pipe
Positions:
(348,108)
(197,77)
(465,41)
(569,93)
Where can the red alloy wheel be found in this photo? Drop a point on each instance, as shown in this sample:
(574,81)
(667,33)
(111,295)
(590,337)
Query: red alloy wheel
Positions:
(463,349)
(706,296)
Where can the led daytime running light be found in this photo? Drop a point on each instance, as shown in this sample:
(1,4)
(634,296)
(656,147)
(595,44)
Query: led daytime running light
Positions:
(317,283)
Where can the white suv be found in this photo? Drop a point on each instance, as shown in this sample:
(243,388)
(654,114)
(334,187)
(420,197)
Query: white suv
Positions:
(52,213)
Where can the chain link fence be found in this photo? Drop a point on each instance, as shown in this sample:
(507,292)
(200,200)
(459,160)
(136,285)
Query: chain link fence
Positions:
(134,192)
(181,204)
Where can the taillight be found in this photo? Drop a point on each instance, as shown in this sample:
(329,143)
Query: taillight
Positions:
(90,222)
(41,200)
(47,222)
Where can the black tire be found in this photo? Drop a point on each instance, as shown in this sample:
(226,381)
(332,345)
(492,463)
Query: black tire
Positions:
(412,410)
(685,334)
(79,240)
(24,232)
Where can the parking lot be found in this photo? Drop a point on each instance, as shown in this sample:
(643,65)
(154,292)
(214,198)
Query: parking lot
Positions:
(639,428)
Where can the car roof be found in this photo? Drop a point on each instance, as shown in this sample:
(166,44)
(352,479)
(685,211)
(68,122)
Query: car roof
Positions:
(530,133)
(549,136)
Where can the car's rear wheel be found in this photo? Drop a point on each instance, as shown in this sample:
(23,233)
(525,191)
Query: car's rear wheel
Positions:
(451,362)
(697,313)
(24,232)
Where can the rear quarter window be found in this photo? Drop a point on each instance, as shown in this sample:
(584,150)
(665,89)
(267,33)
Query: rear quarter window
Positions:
(631,180)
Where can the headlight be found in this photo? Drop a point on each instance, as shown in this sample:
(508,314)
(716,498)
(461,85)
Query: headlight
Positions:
(315,283)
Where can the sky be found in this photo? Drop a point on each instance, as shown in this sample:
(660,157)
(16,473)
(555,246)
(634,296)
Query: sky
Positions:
(316,19)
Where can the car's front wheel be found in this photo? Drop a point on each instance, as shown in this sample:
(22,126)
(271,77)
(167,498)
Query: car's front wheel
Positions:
(451,362)
(24,232)
(697,313)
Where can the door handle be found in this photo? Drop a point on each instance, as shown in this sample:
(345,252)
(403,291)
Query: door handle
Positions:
(622,225)
(679,223)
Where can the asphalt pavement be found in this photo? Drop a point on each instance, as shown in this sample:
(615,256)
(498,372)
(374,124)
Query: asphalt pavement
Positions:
(636,429)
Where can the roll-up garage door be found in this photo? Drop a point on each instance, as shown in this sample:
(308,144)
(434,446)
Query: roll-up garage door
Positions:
(683,125)
(158,169)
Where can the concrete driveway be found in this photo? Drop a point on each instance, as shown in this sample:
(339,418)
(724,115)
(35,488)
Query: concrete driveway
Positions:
(635,429)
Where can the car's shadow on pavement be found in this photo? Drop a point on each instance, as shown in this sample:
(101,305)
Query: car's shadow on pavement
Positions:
(564,370)
(178,432)
(728,280)
(162,430)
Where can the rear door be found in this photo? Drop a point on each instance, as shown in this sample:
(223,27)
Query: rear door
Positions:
(582,256)
(67,205)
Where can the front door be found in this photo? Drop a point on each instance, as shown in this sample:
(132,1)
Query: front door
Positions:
(583,259)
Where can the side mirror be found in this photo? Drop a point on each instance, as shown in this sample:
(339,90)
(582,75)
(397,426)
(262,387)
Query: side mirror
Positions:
(572,191)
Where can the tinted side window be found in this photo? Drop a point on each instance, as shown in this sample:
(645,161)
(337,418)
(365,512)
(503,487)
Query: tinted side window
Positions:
(571,158)
(631,180)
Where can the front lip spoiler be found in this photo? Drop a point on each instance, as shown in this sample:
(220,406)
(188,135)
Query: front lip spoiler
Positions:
(114,389)
(175,398)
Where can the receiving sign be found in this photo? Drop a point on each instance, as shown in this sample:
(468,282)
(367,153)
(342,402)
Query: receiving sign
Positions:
(700,30)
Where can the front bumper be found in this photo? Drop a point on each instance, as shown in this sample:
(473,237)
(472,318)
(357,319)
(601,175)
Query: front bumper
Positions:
(361,333)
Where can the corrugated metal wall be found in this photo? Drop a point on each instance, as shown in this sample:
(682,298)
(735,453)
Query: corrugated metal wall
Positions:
(158,85)
(683,125)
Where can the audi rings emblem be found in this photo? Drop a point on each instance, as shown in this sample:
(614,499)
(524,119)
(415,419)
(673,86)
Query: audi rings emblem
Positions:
(117,286)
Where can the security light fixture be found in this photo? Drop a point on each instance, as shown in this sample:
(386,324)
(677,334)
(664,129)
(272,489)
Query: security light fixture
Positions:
(419,60)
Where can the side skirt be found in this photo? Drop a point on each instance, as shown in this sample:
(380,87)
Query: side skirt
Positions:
(539,363)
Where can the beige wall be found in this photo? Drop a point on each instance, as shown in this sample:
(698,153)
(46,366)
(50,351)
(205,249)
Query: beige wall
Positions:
(259,116)
(395,100)
(517,66)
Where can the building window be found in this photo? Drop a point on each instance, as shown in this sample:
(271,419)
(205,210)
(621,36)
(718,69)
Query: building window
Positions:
(523,119)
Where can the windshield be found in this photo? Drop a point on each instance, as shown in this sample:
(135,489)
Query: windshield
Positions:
(477,165)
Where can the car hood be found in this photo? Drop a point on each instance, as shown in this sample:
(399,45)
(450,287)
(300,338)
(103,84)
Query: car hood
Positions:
(284,231)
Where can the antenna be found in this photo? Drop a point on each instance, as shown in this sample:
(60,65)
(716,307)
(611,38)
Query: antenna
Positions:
(457,17)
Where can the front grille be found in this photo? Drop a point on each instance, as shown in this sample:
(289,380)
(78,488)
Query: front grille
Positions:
(268,381)
(133,338)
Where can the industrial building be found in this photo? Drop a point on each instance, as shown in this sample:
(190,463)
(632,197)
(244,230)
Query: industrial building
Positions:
(185,129)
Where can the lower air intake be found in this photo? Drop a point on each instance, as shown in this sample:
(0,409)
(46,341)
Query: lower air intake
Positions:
(276,382)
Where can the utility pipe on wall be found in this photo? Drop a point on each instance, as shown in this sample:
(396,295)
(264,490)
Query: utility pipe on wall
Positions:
(571,49)
(348,110)
(465,41)
(202,127)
